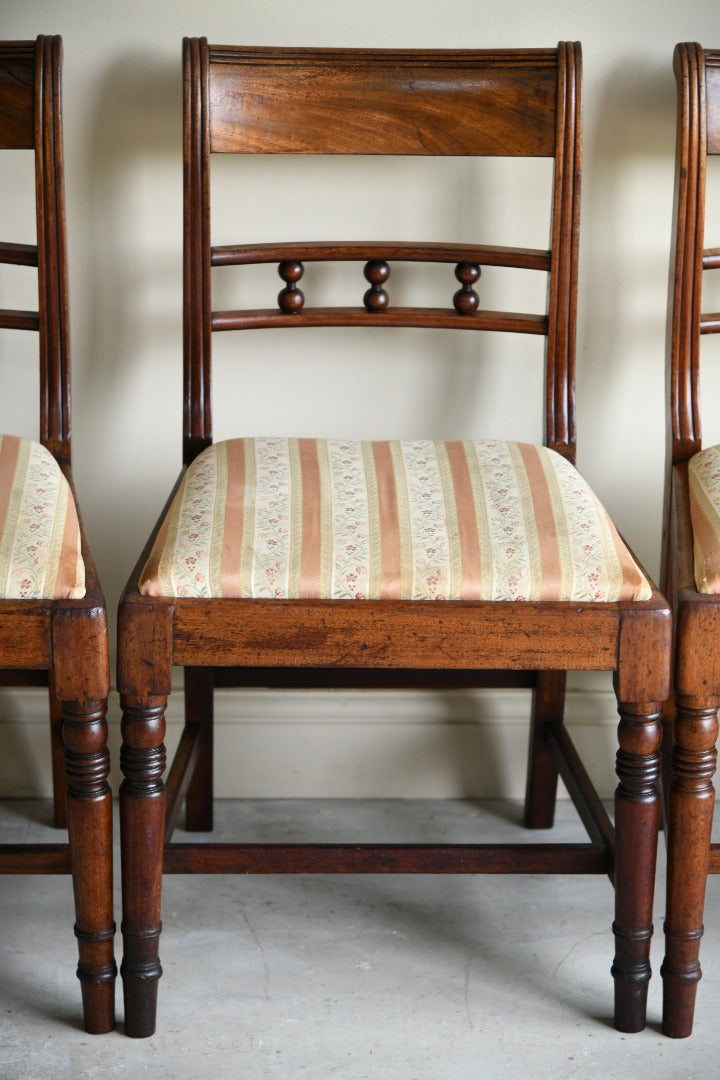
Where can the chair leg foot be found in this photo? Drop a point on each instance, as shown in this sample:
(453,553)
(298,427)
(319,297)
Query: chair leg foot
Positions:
(98,999)
(679,992)
(631,1000)
(142,828)
(637,819)
(89,818)
(140,994)
(690,816)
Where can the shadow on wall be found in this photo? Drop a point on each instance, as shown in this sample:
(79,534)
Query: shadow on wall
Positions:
(128,333)
(628,178)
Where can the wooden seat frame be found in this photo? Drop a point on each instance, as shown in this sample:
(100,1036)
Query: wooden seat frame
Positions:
(693,712)
(509,103)
(60,643)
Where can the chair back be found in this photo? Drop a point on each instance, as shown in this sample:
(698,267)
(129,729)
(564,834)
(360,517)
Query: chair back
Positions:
(697,72)
(30,119)
(510,103)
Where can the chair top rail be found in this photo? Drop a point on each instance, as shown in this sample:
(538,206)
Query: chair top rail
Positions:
(371,101)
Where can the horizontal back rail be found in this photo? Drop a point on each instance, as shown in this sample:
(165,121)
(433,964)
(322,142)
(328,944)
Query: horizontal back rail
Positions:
(19,320)
(338,251)
(468,102)
(509,322)
(19,254)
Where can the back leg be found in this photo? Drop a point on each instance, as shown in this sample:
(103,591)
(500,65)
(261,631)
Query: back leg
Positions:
(199,712)
(542,775)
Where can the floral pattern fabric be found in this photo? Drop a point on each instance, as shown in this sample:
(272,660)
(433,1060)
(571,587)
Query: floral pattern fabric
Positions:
(40,554)
(704,480)
(417,520)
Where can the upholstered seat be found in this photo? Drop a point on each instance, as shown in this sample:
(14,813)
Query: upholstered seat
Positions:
(704,486)
(40,557)
(420,520)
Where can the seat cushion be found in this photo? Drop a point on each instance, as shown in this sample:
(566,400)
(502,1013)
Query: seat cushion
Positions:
(704,479)
(310,518)
(39,532)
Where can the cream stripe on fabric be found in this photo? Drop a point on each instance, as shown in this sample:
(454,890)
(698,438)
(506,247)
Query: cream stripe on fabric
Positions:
(40,555)
(416,520)
(451,524)
(486,579)
(466,516)
(704,482)
(249,503)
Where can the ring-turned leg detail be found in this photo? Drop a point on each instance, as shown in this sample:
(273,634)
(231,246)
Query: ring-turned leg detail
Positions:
(692,799)
(89,818)
(142,817)
(637,819)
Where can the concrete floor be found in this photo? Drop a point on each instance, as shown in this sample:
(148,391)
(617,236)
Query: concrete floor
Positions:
(404,978)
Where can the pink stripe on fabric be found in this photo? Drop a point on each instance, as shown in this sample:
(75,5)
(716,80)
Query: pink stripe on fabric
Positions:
(66,581)
(309,585)
(391,561)
(551,569)
(9,450)
(234,498)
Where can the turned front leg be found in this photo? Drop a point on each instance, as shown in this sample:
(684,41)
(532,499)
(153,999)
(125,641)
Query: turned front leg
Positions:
(690,816)
(89,821)
(142,825)
(637,820)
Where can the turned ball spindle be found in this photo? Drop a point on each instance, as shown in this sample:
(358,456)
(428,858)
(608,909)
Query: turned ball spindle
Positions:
(376,272)
(466,300)
(291,299)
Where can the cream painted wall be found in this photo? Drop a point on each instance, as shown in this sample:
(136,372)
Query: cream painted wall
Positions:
(122,94)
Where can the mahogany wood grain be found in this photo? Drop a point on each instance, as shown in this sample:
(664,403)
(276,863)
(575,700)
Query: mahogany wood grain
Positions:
(387,859)
(510,102)
(691,719)
(306,102)
(346,251)
(445,318)
(62,644)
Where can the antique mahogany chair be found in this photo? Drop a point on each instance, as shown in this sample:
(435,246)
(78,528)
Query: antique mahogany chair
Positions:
(53,627)
(296,562)
(691,543)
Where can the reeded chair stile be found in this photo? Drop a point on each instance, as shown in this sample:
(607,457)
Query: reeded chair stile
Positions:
(298,561)
(690,543)
(53,626)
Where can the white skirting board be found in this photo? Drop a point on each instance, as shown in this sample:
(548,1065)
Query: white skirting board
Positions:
(330,744)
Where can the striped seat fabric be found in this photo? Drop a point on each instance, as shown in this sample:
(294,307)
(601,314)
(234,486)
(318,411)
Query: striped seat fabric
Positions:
(339,520)
(40,556)
(704,478)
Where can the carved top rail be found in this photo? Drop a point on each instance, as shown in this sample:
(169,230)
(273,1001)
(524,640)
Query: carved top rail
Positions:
(306,101)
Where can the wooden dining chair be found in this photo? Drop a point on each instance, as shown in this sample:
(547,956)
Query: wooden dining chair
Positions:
(53,626)
(289,562)
(691,544)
